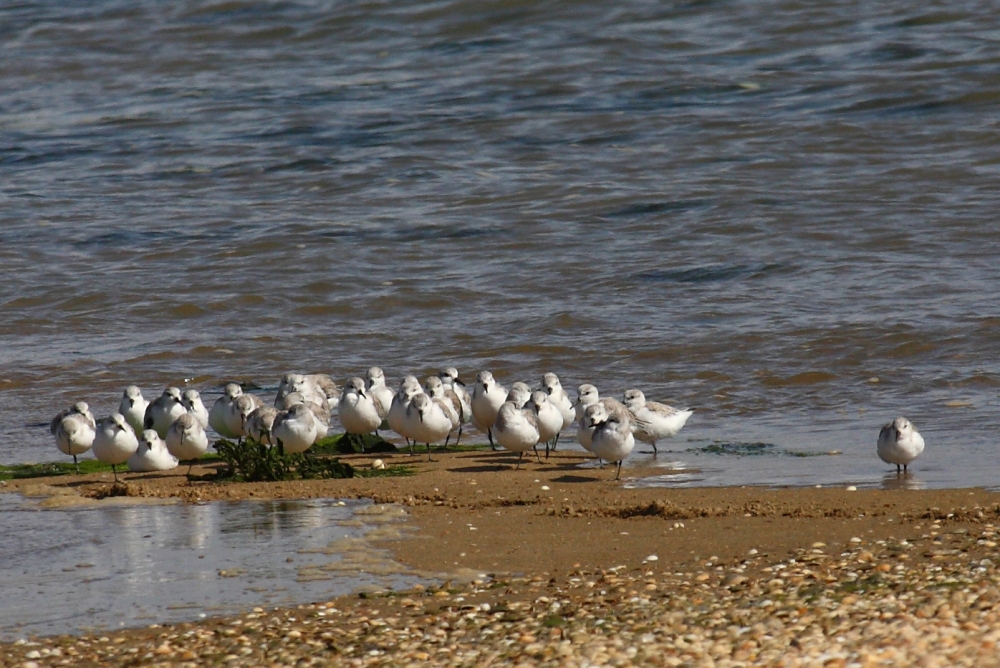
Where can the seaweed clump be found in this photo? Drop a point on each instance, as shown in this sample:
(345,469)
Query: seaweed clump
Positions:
(256,462)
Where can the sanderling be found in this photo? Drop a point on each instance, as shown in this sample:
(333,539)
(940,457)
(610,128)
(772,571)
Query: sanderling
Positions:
(223,407)
(191,400)
(320,412)
(559,398)
(653,420)
(426,422)
(612,439)
(450,379)
(295,429)
(74,436)
(449,402)
(151,455)
(79,408)
(550,420)
(239,411)
(899,443)
(162,411)
(133,407)
(260,424)
(517,430)
(329,389)
(588,396)
(304,385)
(379,392)
(187,440)
(519,393)
(487,398)
(357,409)
(409,387)
(114,441)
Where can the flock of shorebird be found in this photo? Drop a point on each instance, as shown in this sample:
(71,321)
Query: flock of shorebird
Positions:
(157,435)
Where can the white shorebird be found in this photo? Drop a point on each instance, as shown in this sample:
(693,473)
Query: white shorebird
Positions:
(191,400)
(357,409)
(239,411)
(448,401)
(317,387)
(326,385)
(295,429)
(133,407)
(450,379)
(559,398)
(74,436)
(899,443)
(187,440)
(379,392)
(519,393)
(409,387)
(260,424)
(548,417)
(151,455)
(222,408)
(320,412)
(79,408)
(612,439)
(163,410)
(588,396)
(426,422)
(487,398)
(517,430)
(114,441)
(654,421)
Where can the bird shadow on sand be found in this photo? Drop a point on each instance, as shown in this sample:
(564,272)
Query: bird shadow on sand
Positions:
(577,478)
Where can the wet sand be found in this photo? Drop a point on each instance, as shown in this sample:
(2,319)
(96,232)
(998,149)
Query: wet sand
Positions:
(555,531)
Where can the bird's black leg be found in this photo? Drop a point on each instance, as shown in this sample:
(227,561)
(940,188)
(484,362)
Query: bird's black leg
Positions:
(519,456)
(76,464)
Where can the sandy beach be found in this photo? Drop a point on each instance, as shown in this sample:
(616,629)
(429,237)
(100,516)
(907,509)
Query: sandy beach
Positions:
(561,565)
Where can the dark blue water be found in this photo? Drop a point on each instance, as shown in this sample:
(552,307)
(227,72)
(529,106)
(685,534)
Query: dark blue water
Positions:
(751,208)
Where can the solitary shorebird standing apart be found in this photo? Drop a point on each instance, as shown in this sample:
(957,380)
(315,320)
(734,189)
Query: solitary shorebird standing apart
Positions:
(653,420)
(187,440)
(221,408)
(899,443)
(163,410)
(192,403)
(74,436)
(548,417)
(409,387)
(114,441)
(151,455)
(133,407)
(612,439)
(426,422)
(487,398)
(559,398)
(357,409)
(380,394)
(517,430)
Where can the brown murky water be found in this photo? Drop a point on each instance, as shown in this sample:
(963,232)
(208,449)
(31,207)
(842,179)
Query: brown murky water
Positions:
(754,209)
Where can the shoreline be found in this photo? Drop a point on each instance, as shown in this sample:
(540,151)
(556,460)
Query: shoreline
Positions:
(467,515)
